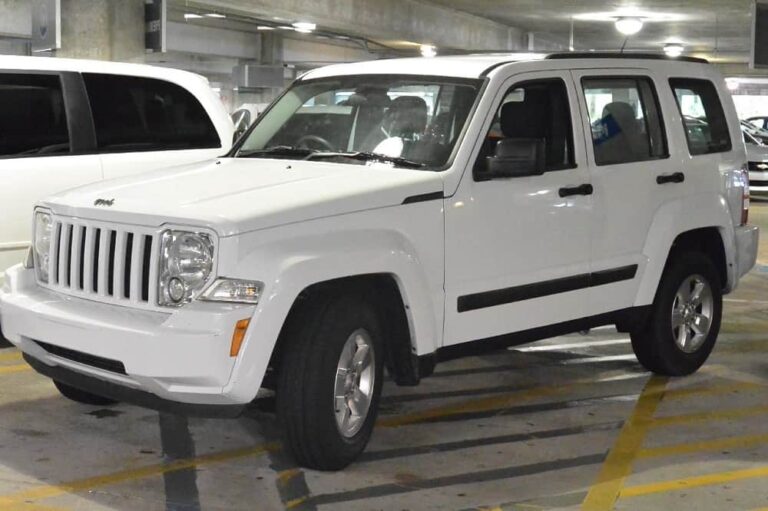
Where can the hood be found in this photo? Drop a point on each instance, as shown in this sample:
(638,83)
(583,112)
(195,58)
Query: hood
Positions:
(238,195)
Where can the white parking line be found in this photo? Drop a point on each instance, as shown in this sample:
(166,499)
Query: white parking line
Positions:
(592,360)
(584,344)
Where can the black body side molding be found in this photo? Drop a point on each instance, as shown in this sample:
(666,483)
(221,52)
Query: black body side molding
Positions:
(424,197)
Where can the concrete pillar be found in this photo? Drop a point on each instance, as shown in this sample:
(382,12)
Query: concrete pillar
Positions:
(102,30)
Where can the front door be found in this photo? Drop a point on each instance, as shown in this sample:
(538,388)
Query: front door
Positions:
(517,248)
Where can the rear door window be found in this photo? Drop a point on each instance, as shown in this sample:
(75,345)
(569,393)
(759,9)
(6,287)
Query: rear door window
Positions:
(144,114)
(33,119)
(625,120)
(703,118)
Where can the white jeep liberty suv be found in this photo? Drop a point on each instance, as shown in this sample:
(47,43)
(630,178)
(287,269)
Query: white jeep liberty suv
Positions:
(394,214)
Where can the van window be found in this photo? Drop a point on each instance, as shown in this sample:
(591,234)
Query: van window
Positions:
(33,120)
(144,114)
(533,110)
(625,120)
(703,118)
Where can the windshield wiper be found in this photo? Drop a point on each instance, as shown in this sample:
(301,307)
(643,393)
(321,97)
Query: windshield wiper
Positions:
(278,150)
(368,156)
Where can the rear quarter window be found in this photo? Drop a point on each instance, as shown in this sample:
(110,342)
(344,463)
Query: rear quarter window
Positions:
(145,114)
(704,122)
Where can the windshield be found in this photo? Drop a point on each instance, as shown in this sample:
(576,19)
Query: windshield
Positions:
(405,121)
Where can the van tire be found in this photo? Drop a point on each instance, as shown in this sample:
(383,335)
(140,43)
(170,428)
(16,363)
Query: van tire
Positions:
(317,342)
(657,344)
(81,396)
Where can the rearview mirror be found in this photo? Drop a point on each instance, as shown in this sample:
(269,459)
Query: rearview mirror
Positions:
(514,157)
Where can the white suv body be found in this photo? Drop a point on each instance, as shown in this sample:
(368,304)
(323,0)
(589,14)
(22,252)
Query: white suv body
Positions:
(485,249)
(66,123)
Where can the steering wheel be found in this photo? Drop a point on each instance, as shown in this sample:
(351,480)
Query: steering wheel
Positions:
(304,142)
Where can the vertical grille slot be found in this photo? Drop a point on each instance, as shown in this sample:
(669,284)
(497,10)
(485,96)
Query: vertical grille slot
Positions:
(95,274)
(145,268)
(127,265)
(65,250)
(111,264)
(54,263)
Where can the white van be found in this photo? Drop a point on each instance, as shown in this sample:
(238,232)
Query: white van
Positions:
(65,123)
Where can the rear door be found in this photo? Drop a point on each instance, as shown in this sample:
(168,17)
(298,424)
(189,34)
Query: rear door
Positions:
(144,124)
(45,135)
(633,173)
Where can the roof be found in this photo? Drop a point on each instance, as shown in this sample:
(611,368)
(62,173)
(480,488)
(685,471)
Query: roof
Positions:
(469,66)
(95,66)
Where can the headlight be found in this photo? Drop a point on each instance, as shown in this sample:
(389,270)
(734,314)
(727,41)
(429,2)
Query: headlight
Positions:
(42,244)
(234,290)
(186,263)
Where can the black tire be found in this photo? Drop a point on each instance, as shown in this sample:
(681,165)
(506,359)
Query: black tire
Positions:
(654,343)
(81,396)
(305,400)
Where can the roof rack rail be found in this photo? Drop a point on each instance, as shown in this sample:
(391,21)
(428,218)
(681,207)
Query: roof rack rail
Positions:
(617,55)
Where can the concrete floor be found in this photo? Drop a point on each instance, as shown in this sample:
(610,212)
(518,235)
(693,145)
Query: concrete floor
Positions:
(568,423)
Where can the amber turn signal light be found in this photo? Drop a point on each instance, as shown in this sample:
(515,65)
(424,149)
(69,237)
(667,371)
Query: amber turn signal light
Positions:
(237,336)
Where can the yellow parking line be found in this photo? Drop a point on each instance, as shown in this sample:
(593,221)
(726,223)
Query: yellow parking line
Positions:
(15,368)
(618,465)
(8,357)
(693,482)
(712,390)
(705,445)
(54,490)
(734,413)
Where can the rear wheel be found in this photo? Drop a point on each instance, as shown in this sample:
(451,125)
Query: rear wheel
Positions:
(682,329)
(81,396)
(330,380)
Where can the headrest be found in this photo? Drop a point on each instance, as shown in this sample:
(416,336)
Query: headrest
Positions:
(528,118)
(622,113)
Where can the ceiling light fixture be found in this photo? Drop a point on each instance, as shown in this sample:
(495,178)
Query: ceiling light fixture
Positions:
(305,27)
(191,16)
(629,25)
(673,49)
(215,15)
(264,27)
(285,27)
(427,50)
(732,84)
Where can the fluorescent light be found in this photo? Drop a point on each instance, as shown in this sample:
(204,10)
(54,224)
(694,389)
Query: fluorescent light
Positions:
(191,16)
(629,25)
(264,27)
(427,50)
(284,27)
(673,49)
(215,15)
(305,27)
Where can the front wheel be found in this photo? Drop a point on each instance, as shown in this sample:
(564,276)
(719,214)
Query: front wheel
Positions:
(330,381)
(685,319)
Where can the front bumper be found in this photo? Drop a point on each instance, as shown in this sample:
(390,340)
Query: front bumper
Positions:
(747,238)
(180,356)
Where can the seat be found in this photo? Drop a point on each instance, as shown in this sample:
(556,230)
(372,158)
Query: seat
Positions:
(621,137)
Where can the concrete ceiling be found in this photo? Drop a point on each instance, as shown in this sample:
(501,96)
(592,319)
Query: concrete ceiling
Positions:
(719,29)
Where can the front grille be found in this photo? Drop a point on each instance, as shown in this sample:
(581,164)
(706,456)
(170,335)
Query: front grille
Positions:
(757,166)
(106,364)
(105,262)
(755,182)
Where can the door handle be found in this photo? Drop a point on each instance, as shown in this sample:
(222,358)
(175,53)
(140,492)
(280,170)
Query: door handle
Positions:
(585,189)
(677,177)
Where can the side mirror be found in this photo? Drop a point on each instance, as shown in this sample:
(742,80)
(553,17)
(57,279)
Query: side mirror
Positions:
(514,157)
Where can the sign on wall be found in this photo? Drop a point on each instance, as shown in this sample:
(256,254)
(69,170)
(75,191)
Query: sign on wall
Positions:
(155,19)
(759,54)
(46,25)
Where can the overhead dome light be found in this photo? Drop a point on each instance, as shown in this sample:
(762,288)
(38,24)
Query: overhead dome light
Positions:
(732,84)
(191,16)
(629,25)
(304,27)
(673,49)
(427,50)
